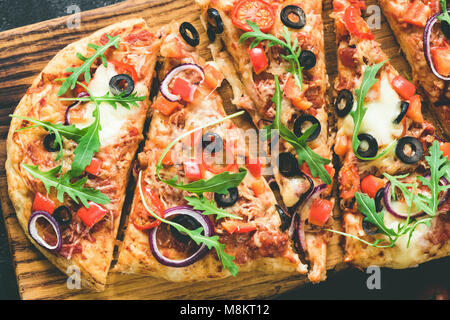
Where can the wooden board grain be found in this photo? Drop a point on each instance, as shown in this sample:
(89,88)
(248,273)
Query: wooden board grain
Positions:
(23,54)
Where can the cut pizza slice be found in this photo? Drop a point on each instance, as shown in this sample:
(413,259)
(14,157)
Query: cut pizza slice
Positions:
(201,208)
(393,183)
(272,54)
(423,32)
(71,143)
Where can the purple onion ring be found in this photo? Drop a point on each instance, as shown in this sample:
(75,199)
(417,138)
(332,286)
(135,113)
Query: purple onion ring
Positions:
(164,87)
(32,230)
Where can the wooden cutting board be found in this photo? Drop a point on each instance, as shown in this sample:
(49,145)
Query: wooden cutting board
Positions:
(25,51)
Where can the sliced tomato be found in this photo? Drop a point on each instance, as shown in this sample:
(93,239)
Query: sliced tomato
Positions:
(342,145)
(403,87)
(125,67)
(415,109)
(94,166)
(258,59)
(142,219)
(193,170)
(42,203)
(91,215)
(321,210)
(165,106)
(258,11)
(445,148)
(355,23)
(417,14)
(441,59)
(213,77)
(371,184)
(184,89)
(235,226)
(254,166)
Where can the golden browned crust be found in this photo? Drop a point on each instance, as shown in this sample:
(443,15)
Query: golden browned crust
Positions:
(96,258)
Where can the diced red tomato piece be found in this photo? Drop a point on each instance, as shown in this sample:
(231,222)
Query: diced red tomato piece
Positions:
(293,93)
(417,14)
(141,218)
(441,59)
(254,166)
(445,148)
(184,89)
(165,106)
(258,59)
(403,87)
(234,226)
(321,210)
(193,170)
(258,187)
(91,215)
(371,184)
(213,77)
(122,66)
(415,109)
(94,166)
(42,203)
(355,23)
(342,145)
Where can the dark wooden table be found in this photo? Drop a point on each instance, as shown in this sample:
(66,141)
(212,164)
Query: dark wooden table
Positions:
(348,284)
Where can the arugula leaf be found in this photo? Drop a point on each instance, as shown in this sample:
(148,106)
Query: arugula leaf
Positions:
(63,186)
(87,145)
(369,79)
(293,49)
(210,242)
(209,208)
(113,100)
(71,81)
(444,16)
(305,154)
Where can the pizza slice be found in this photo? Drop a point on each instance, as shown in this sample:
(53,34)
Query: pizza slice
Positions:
(272,54)
(393,183)
(423,31)
(201,208)
(71,143)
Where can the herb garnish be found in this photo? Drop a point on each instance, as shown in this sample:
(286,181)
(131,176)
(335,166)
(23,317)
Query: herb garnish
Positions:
(209,208)
(210,242)
(293,49)
(305,154)
(444,16)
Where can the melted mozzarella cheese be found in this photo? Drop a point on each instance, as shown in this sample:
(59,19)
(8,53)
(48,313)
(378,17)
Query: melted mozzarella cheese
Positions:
(379,118)
(111,120)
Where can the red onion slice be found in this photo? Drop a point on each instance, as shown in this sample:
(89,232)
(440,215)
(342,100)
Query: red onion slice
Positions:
(164,87)
(301,238)
(76,103)
(34,232)
(388,204)
(427,46)
(208,229)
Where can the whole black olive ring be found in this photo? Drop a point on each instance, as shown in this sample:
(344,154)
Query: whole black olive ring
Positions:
(372,145)
(378,198)
(49,143)
(347,96)
(307,59)
(212,142)
(287,164)
(369,228)
(116,85)
(227,200)
(194,38)
(214,14)
(298,126)
(416,150)
(187,222)
(403,109)
(63,216)
(296,10)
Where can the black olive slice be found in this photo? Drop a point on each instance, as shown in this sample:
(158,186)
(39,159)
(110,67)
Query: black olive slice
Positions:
(403,109)
(212,142)
(215,15)
(368,147)
(307,59)
(49,143)
(194,38)
(117,85)
(378,198)
(187,222)
(227,200)
(344,96)
(287,164)
(284,217)
(445,27)
(305,118)
(211,33)
(63,216)
(416,150)
(369,228)
(294,10)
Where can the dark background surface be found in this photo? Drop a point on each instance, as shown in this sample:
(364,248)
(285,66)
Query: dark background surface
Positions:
(416,283)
